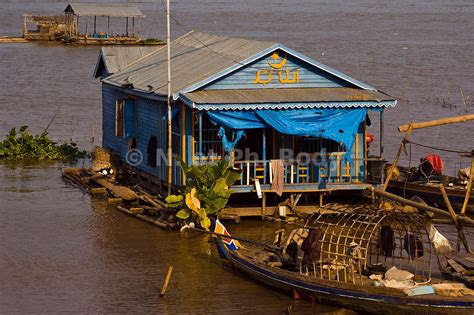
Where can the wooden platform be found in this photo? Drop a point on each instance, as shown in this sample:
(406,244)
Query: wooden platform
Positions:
(8,39)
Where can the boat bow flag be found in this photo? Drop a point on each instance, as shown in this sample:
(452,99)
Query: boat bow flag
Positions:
(219,228)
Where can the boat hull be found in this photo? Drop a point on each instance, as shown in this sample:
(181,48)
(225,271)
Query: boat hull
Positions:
(357,300)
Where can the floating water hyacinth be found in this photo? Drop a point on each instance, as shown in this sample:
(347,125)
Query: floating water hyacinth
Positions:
(20,144)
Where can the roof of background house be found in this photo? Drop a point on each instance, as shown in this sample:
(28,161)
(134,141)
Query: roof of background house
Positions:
(105,9)
(115,58)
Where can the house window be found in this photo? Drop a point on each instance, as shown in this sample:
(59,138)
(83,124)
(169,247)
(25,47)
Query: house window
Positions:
(211,143)
(119,118)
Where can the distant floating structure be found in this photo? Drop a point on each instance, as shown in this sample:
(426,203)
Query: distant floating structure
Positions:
(75,27)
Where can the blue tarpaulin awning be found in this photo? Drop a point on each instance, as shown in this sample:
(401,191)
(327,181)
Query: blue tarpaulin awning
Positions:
(339,125)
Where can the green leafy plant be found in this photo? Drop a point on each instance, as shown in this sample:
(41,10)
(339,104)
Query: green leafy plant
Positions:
(206,192)
(151,40)
(20,144)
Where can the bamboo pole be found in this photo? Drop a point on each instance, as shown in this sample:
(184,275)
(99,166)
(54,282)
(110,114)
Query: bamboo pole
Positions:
(420,206)
(161,224)
(469,187)
(461,235)
(168,48)
(400,150)
(25,28)
(437,122)
(167,281)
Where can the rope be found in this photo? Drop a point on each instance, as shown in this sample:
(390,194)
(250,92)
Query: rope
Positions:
(439,149)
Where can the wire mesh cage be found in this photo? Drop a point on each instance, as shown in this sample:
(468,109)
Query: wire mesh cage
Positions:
(349,245)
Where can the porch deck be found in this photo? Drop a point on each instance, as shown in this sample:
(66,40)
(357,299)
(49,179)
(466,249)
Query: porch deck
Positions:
(307,187)
(332,173)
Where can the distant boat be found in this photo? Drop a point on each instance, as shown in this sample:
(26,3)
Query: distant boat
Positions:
(429,190)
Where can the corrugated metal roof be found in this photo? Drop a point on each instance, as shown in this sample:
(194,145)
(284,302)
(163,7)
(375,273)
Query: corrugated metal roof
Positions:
(116,58)
(194,57)
(198,59)
(287,98)
(105,9)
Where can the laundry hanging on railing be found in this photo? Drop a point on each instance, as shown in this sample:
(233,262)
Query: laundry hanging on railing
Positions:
(339,125)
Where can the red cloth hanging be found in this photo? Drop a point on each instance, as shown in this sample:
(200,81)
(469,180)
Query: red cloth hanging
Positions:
(436,162)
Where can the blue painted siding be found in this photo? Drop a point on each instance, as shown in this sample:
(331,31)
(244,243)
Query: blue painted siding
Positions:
(147,126)
(110,141)
(309,76)
(148,122)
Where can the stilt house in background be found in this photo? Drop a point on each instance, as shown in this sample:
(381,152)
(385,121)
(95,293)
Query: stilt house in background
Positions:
(81,13)
(250,100)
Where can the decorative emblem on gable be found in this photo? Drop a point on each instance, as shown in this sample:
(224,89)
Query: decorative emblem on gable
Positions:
(285,75)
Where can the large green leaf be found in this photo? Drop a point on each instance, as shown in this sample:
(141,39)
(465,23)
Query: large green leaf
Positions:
(220,185)
(205,223)
(182,214)
(174,201)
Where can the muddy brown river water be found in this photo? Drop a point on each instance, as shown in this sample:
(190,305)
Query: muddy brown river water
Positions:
(61,252)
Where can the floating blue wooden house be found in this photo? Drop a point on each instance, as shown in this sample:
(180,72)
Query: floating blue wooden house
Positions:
(251,101)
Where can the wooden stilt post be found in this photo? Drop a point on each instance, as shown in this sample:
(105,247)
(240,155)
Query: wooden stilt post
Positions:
(133,26)
(25,29)
(183,140)
(461,235)
(381,133)
(200,137)
(138,27)
(264,204)
(108,26)
(264,155)
(469,186)
(126,27)
(86,26)
(400,150)
(95,24)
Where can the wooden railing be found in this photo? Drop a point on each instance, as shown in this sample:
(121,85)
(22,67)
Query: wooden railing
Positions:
(334,169)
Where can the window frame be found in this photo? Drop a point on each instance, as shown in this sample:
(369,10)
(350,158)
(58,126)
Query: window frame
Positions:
(120,118)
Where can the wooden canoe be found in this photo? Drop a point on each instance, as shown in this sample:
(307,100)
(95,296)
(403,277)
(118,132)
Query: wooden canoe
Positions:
(430,192)
(367,299)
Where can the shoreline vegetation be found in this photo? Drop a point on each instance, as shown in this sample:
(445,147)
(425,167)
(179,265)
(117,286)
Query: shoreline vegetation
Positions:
(20,144)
